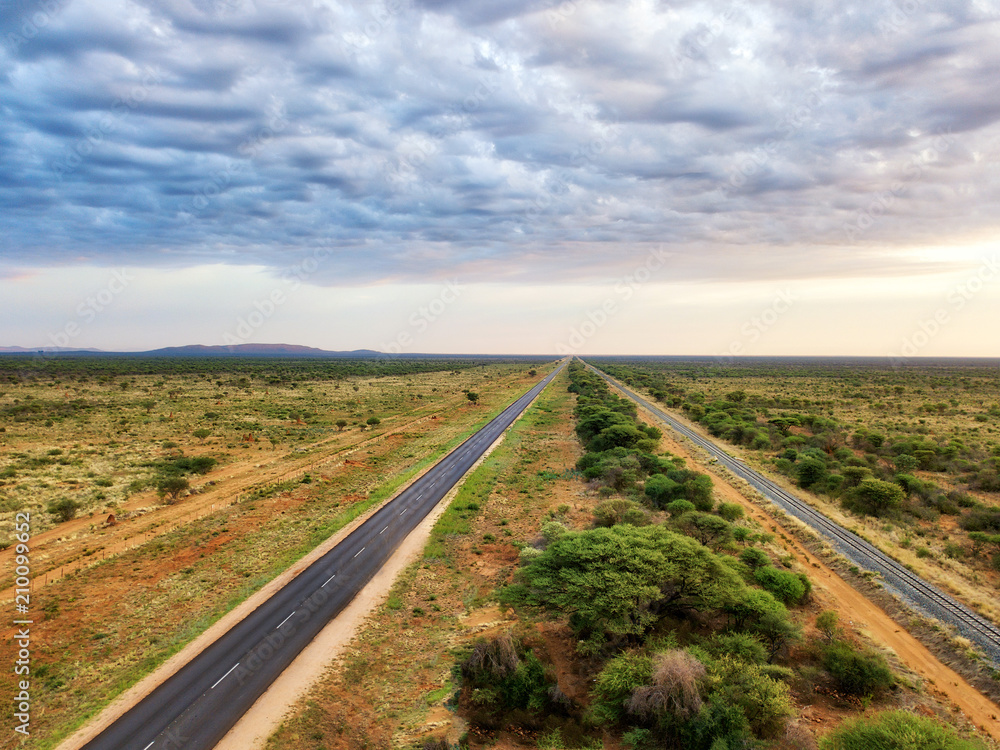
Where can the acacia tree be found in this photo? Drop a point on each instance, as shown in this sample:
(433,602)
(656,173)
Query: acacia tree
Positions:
(170,488)
(875,497)
(619,580)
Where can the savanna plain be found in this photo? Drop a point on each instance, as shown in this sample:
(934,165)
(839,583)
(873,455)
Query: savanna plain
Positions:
(594,582)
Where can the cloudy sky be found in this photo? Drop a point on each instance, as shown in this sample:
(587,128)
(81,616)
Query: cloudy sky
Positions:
(784,177)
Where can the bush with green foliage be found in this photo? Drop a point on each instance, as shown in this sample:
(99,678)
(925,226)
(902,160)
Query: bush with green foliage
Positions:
(749,608)
(811,471)
(500,676)
(64,509)
(857,672)
(786,586)
(620,580)
(875,497)
(679,507)
(616,510)
(170,487)
(743,646)
(709,529)
(614,686)
(754,557)
(765,702)
(896,730)
(730,511)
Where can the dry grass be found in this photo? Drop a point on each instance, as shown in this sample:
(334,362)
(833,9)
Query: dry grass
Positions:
(98,453)
(99,632)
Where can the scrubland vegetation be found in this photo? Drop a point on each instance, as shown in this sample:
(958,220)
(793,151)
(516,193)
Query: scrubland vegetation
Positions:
(80,435)
(912,453)
(112,601)
(687,629)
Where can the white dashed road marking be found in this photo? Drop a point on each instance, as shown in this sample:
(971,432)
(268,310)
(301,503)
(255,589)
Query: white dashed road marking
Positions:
(221,679)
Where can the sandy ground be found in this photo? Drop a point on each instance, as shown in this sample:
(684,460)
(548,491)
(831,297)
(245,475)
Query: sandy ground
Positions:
(854,608)
(266,714)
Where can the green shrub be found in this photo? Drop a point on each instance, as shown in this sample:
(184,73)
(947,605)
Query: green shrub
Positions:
(742,646)
(64,509)
(679,507)
(616,683)
(661,490)
(827,623)
(730,511)
(751,606)
(170,487)
(856,672)
(620,580)
(810,471)
(502,680)
(765,702)
(875,497)
(719,725)
(755,558)
(786,586)
(617,510)
(896,730)
(710,530)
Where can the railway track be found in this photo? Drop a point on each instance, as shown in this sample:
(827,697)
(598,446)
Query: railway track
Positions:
(918,593)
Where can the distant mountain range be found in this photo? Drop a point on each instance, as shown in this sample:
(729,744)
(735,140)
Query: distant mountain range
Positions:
(255,350)
(46,349)
(198,350)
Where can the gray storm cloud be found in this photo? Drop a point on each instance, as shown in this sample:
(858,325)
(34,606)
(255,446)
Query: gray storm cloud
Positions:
(522,143)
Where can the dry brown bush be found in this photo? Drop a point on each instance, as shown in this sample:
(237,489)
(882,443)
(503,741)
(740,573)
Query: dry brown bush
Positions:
(496,658)
(676,687)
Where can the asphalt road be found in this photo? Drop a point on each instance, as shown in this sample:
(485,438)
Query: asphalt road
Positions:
(199,704)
